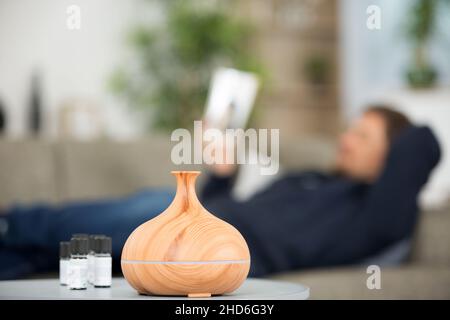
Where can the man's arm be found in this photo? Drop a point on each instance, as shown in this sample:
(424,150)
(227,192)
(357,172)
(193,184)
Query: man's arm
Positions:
(391,204)
(221,179)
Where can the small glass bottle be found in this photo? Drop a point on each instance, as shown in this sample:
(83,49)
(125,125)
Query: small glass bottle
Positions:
(78,265)
(103,262)
(64,257)
(91,257)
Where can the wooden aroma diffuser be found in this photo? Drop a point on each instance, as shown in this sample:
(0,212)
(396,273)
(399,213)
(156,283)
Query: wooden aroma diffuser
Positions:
(185,250)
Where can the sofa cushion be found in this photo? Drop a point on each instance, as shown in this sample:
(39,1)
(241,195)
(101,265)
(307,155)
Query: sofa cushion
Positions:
(405,282)
(27,172)
(90,170)
(431,245)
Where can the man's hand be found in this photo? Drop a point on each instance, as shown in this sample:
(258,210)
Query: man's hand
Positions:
(223,170)
(220,167)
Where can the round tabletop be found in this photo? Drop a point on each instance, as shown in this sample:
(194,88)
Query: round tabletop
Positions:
(50,289)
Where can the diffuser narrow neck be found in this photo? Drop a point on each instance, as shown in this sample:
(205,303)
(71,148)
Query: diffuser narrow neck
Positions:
(186,194)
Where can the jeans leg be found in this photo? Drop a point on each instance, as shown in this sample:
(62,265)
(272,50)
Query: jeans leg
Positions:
(45,226)
(20,262)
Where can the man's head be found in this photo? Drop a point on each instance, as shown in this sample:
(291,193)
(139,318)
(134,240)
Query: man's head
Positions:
(364,145)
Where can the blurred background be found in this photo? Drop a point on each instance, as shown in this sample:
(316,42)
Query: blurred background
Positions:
(137,68)
(86,110)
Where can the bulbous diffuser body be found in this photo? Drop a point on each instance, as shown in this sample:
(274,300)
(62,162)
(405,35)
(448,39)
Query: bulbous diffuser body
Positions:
(185,250)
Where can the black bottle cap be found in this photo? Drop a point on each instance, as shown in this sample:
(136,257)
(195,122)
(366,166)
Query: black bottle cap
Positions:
(64,249)
(80,235)
(103,245)
(92,241)
(79,246)
(97,240)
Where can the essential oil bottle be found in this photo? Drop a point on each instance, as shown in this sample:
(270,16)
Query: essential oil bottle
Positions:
(64,259)
(78,264)
(103,262)
(91,257)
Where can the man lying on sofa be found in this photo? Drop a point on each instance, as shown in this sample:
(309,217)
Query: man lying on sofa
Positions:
(302,220)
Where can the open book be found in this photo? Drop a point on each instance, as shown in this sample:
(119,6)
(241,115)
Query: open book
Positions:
(231,98)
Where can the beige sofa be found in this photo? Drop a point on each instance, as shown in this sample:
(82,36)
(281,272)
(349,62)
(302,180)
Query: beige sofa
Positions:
(42,171)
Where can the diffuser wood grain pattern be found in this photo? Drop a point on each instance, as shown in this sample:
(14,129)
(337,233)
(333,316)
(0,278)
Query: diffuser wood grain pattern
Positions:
(185,250)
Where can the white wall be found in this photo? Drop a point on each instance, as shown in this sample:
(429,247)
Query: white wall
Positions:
(373,62)
(74,63)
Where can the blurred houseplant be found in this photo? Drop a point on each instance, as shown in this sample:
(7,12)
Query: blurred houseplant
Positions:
(174,62)
(317,69)
(421,25)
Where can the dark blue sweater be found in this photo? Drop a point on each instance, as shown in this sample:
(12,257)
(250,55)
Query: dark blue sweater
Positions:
(311,219)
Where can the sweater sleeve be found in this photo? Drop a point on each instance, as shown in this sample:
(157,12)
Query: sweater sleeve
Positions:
(391,204)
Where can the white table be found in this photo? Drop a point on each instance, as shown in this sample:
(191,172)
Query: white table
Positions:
(49,289)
